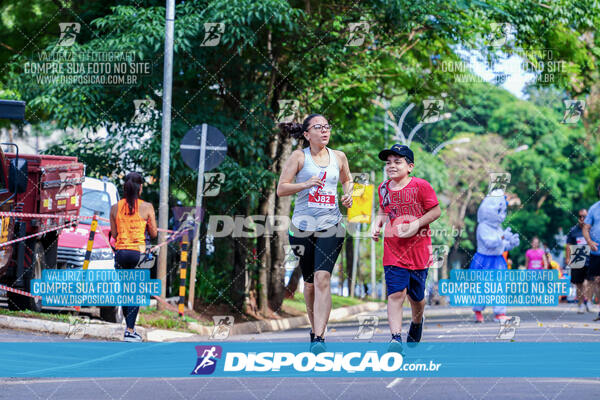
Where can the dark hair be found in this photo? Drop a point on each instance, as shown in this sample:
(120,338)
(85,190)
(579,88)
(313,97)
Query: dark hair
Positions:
(131,189)
(297,130)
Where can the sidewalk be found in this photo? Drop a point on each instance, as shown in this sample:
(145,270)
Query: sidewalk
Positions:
(96,329)
(338,314)
(107,331)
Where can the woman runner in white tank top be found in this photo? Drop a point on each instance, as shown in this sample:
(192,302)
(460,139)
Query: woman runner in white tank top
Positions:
(316,222)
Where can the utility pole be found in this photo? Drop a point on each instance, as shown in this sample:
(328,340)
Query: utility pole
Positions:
(165,158)
(355,265)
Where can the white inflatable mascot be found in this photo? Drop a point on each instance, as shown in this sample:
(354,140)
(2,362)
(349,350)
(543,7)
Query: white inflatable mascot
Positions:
(492,241)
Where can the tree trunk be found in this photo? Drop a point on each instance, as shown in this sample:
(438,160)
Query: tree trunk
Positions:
(349,260)
(459,227)
(238,286)
(264,243)
(264,257)
(292,285)
(280,238)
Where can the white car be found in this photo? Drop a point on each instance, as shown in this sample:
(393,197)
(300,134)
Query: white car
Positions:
(97,198)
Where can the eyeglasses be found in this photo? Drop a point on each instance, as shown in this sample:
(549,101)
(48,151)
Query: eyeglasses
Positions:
(320,127)
(582,217)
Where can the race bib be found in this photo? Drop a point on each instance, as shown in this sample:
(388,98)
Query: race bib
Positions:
(536,264)
(581,240)
(322,199)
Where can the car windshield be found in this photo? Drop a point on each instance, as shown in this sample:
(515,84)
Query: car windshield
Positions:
(95,201)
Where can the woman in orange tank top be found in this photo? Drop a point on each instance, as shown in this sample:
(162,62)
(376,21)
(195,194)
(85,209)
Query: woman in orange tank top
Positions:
(130,219)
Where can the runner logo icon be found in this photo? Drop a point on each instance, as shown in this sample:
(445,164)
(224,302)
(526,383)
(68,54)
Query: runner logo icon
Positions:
(207,359)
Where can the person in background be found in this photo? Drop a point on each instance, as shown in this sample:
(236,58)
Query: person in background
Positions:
(129,220)
(534,257)
(561,241)
(554,265)
(579,275)
(591,233)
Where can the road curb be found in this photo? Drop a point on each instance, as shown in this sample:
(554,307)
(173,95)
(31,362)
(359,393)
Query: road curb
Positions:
(274,325)
(108,331)
(468,310)
(105,331)
(114,332)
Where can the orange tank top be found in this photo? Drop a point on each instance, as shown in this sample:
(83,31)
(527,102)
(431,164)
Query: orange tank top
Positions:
(130,228)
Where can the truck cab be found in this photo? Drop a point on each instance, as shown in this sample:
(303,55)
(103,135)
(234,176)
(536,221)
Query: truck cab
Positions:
(39,195)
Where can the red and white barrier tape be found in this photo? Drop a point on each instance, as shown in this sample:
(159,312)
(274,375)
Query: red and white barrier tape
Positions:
(174,236)
(21,292)
(26,215)
(30,215)
(35,234)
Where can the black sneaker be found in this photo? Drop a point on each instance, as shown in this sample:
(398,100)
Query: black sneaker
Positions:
(414,333)
(318,345)
(597,318)
(312,336)
(132,336)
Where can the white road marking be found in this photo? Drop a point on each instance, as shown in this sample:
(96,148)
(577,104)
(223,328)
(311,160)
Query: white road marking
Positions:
(394,383)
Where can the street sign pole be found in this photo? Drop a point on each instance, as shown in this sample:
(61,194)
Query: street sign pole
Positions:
(195,241)
(202,148)
(373,258)
(163,207)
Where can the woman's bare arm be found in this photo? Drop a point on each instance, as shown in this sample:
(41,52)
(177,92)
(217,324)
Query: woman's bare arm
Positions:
(345,179)
(113,221)
(151,220)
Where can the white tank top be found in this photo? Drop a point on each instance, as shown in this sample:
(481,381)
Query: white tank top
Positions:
(316,208)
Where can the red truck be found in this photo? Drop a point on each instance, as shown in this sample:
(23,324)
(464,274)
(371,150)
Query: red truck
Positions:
(35,184)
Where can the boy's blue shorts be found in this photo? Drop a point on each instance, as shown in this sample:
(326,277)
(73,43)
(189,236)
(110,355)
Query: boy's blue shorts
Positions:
(397,279)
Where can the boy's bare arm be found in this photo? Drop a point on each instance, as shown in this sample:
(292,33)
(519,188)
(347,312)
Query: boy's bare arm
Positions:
(379,221)
(431,215)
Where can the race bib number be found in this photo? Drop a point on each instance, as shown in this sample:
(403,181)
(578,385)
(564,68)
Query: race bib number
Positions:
(322,199)
(536,264)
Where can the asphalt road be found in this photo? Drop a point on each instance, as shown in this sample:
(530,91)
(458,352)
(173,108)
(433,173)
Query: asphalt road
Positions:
(449,325)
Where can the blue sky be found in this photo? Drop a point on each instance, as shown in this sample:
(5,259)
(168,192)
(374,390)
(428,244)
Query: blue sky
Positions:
(517,78)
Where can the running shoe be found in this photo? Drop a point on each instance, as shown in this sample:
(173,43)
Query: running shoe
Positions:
(587,307)
(478,317)
(501,317)
(414,333)
(597,318)
(132,336)
(312,336)
(396,345)
(580,309)
(318,345)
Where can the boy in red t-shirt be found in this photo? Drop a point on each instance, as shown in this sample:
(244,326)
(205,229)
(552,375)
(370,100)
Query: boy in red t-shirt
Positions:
(408,205)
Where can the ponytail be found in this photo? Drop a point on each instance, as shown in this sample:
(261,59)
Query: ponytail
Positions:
(131,189)
(297,130)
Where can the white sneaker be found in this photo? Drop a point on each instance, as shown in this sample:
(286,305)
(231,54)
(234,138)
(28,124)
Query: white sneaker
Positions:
(581,309)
